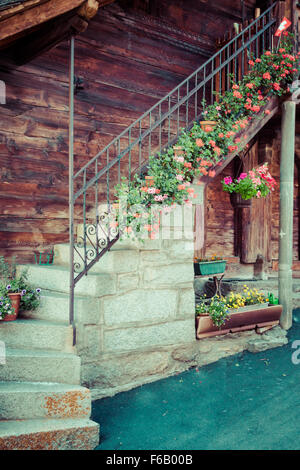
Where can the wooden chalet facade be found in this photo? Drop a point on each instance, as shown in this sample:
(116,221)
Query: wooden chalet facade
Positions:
(112,73)
(130,55)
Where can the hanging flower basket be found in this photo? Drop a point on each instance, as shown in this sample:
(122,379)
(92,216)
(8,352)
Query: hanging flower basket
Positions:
(257,183)
(206,268)
(244,318)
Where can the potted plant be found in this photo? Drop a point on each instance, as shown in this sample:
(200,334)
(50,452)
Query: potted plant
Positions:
(256,183)
(206,267)
(208,126)
(7,312)
(235,312)
(15,292)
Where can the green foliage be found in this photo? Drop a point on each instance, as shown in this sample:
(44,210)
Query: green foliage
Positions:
(11,282)
(216,308)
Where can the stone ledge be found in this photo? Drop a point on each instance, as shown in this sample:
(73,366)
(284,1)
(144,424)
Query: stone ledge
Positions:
(169,360)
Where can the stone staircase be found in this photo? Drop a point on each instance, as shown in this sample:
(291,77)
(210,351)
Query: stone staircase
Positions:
(43,406)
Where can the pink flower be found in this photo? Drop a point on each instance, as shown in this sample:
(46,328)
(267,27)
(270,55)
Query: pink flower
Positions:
(267,76)
(237,94)
(179,159)
(258,194)
(228,180)
(151,190)
(243,176)
(179,177)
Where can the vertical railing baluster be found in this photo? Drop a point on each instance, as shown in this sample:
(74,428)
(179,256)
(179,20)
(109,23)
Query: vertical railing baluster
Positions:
(96,207)
(150,133)
(243,55)
(256,40)
(107,195)
(119,161)
(196,95)
(107,178)
(160,127)
(269,31)
(169,124)
(204,78)
(187,104)
(263,36)
(228,68)
(129,155)
(84,219)
(235,61)
(140,143)
(212,82)
(178,110)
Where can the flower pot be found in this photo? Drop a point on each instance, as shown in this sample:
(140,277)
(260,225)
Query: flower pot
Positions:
(178,151)
(44,258)
(208,126)
(205,268)
(237,201)
(149,181)
(239,320)
(15,302)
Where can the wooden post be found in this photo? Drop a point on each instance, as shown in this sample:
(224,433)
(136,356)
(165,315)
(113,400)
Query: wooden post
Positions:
(199,221)
(285,280)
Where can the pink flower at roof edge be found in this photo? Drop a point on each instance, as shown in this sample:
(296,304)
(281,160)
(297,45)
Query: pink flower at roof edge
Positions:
(243,176)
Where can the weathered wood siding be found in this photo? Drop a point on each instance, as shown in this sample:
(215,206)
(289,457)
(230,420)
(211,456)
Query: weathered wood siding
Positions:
(131,55)
(264,229)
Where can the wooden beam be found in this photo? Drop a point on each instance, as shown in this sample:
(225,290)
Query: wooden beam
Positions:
(19,25)
(14,10)
(48,35)
(88,10)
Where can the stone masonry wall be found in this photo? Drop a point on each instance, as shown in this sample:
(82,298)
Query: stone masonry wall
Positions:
(148,312)
(143,328)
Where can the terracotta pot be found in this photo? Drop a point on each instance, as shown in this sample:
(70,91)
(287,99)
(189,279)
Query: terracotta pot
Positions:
(15,301)
(208,126)
(149,181)
(239,320)
(237,200)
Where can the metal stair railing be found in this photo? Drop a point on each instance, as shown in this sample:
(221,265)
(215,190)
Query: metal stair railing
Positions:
(156,130)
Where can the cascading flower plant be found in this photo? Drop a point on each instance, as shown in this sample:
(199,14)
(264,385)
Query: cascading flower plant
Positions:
(204,150)
(256,183)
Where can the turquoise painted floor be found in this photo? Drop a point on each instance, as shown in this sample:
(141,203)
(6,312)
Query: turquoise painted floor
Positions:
(246,401)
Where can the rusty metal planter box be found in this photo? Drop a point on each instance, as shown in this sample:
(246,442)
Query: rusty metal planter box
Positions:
(239,321)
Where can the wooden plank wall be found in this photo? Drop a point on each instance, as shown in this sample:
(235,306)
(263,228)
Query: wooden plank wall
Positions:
(219,216)
(130,56)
